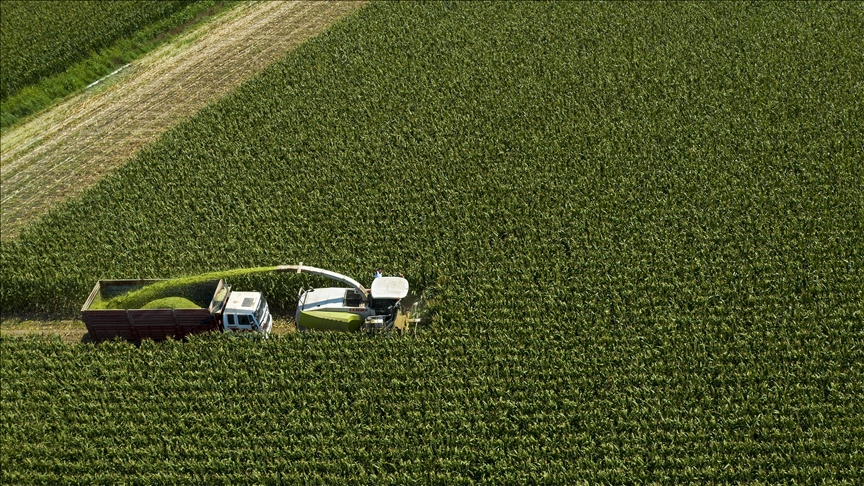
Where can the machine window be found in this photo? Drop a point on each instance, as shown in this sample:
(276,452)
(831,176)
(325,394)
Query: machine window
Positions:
(353,298)
(261,311)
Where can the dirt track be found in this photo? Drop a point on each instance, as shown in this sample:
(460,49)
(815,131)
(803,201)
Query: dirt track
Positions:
(60,152)
(74,330)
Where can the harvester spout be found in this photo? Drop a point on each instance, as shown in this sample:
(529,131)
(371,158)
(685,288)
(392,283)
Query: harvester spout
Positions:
(323,273)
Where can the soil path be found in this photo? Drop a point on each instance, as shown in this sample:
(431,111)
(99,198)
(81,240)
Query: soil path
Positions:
(66,149)
(74,330)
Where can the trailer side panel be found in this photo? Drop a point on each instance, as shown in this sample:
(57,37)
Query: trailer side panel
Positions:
(156,324)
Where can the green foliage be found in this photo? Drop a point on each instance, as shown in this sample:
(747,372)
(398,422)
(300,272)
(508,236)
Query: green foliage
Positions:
(508,406)
(640,224)
(44,38)
(171,303)
(53,48)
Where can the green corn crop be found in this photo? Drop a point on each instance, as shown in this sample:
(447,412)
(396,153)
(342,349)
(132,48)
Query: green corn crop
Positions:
(44,38)
(640,224)
(53,48)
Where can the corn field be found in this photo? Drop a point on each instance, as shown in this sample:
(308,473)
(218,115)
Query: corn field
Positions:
(43,38)
(639,225)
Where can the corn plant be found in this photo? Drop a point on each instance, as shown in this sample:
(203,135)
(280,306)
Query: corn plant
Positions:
(640,225)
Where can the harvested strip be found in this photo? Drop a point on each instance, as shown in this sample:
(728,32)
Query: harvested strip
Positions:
(61,152)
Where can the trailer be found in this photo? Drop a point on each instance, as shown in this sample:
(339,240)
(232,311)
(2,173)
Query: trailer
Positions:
(213,306)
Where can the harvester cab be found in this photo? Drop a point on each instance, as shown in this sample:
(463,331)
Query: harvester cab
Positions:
(377,309)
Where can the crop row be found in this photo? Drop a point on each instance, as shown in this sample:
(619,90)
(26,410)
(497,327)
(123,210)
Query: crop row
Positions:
(335,407)
(639,227)
(43,38)
(477,165)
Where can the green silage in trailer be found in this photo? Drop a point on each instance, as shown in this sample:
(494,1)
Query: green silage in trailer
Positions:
(141,297)
(171,303)
(641,225)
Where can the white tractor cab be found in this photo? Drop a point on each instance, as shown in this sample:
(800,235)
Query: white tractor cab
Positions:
(350,309)
(247,312)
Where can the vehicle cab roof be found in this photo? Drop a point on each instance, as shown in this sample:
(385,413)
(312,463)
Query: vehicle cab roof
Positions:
(243,302)
(389,288)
